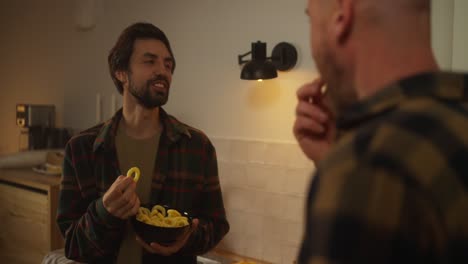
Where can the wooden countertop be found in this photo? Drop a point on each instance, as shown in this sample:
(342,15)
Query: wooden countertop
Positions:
(27,177)
(232,257)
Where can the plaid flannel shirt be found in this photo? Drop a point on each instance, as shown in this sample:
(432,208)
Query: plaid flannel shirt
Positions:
(394,188)
(185,177)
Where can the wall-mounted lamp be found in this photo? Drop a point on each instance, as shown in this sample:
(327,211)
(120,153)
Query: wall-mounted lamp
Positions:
(283,58)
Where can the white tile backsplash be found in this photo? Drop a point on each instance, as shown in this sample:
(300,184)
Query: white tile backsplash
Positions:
(223,148)
(264,186)
(255,201)
(294,207)
(297,181)
(294,233)
(257,176)
(224,170)
(276,182)
(235,198)
(234,242)
(254,246)
(274,229)
(297,159)
(289,254)
(275,205)
(256,151)
(278,154)
(254,225)
(271,251)
(237,221)
(238,174)
(239,150)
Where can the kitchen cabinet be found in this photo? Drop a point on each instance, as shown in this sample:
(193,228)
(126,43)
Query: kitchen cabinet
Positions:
(28,204)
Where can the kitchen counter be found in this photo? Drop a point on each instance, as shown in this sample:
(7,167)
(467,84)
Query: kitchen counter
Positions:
(48,185)
(28,178)
(226,257)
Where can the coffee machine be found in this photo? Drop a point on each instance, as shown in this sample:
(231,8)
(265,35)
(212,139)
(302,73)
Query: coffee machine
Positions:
(38,131)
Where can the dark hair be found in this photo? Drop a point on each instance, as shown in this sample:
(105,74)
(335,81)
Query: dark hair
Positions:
(119,56)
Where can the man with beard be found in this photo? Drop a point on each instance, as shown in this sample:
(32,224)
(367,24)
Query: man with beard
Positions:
(178,166)
(387,130)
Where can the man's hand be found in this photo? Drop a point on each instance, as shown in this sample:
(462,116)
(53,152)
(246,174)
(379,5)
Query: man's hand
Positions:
(164,250)
(121,200)
(314,127)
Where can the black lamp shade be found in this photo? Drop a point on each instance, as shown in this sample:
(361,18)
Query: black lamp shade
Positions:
(284,57)
(258,69)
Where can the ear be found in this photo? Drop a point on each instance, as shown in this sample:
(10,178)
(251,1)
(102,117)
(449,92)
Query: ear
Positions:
(343,19)
(122,76)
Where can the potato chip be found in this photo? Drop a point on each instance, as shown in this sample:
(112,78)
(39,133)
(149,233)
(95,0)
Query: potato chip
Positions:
(159,217)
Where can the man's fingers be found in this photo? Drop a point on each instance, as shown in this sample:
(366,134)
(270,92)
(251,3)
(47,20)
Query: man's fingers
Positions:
(136,206)
(124,210)
(120,196)
(189,232)
(309,90)
(126,195)
(163,250)
(132,208)
(306,126)
(123,183)
(118,187)
(127,201)
(195,223)
(183,240)
(174,248)
(312,111)
(145,246)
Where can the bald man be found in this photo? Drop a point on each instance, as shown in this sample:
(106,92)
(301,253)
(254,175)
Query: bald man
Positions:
(389,134)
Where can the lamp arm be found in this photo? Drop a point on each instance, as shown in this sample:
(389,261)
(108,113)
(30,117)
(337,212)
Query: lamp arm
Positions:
(240,57)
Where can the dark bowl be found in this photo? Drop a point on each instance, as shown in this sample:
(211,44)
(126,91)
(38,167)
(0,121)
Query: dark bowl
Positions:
(162,235)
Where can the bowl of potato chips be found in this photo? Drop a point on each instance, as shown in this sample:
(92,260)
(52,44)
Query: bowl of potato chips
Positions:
(160,223)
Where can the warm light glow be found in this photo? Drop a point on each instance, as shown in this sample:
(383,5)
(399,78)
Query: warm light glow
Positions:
(260,80)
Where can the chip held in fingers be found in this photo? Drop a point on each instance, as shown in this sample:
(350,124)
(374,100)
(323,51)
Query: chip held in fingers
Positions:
(134,172)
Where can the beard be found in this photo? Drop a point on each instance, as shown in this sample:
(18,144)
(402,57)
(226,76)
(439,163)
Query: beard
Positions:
(341,90)
(144,94)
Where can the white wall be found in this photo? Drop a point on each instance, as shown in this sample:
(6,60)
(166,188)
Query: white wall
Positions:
(33,52)
(442,31)
(46,60)
(206,37)
(460,43)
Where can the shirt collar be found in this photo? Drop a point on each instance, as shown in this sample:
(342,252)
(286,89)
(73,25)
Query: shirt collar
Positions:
(442,85)
(173,129)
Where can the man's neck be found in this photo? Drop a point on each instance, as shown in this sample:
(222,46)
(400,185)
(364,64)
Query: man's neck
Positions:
(139,122)
(384,62)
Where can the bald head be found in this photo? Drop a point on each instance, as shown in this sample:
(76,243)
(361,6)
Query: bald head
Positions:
(360,45)
(382,12)
(375,9)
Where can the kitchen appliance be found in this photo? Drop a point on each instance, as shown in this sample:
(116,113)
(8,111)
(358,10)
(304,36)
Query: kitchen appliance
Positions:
(38,131)
(47,137)
(28,115)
